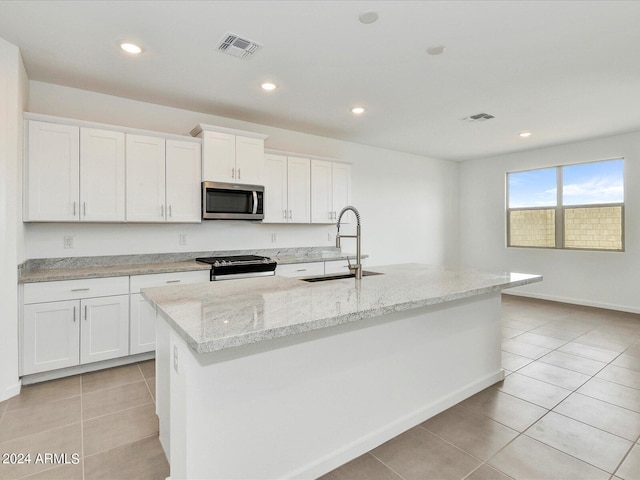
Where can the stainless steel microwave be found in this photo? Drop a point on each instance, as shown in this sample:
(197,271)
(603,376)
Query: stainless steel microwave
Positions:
(231,201)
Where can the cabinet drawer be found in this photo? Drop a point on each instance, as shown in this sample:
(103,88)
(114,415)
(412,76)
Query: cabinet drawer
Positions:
(75,289)
(139,282)
(300,269)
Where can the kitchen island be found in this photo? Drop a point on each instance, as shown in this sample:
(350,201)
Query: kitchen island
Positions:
(275,377)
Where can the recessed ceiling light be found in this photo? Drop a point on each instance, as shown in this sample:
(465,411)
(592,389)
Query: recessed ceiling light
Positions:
(525,134)
(357,110)
(436,50)
(130,48)
(367,17)
(269,86)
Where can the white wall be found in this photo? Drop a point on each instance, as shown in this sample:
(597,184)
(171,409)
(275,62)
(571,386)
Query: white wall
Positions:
(13,98)
(408,203)
(604,279)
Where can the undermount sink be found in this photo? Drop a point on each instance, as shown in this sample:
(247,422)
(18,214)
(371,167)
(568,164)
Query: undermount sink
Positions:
(339,276)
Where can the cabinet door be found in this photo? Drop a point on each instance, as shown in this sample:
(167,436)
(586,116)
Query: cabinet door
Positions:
(104,330)
(249,160)
(142,328)
(341,186)
(145,179)
(50,336)
(275,189)
(101,175)
(218,157)
(299,189)
(52,173)
(300,269)
(183,181)
(321,197)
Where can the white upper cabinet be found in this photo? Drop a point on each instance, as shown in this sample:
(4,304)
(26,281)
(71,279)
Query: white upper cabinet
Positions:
(330,190)
(299,189)
(102,175)
(231,156)
(287,189)
(52,170)
(145,179)
(183,164)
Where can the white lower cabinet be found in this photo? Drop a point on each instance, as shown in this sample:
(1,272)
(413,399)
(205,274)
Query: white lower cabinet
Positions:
(69,323)
(142,319)
(300,269)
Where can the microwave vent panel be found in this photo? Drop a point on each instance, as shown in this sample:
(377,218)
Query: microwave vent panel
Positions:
(235,45)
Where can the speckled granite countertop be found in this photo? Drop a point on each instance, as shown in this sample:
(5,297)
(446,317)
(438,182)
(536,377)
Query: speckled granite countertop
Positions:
(219,315)
(71,268)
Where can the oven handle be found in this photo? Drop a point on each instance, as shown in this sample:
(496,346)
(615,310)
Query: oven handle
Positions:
(255,202)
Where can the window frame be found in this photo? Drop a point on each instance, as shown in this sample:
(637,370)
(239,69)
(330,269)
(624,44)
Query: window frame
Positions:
(560,208)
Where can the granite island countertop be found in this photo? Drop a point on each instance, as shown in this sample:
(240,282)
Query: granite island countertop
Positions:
(220,315)
(72,268)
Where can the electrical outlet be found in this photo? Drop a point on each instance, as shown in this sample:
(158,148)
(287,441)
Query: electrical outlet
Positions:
(329,236)
(175,358)
(68,241)
(274,238)
(184,239)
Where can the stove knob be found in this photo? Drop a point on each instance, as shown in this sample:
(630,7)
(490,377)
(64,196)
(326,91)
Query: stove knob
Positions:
(216,263)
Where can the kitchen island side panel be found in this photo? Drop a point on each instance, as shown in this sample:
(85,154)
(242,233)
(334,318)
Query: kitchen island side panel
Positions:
(307,403)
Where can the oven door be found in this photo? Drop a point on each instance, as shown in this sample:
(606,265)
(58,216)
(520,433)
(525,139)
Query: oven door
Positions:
(230,201)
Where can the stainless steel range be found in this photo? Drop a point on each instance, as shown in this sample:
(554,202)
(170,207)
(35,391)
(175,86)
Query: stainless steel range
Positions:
(239,266)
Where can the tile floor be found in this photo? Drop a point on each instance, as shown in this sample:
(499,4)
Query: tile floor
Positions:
(568,409)
(106,417)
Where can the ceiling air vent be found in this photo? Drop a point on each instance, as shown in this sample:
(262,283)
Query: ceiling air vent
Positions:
(237,46)
(478,117)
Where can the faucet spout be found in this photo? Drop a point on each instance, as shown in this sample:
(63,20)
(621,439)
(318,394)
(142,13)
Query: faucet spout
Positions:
(357,268)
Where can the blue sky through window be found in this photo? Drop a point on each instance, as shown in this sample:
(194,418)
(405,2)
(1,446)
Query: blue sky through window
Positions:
(583,184)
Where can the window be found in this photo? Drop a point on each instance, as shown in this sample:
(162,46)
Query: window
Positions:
(574,206)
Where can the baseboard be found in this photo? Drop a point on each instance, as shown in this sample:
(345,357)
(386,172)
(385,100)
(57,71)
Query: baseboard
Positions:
(12,391)
(89,367)
(574,301)
(378,437)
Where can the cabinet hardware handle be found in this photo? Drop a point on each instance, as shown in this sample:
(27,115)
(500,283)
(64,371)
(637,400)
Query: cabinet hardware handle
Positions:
(290,214)
(162,211)
(284,214)
(74,208)
(74,314)
(172,281)
(301,270)
(85,312)
(238,174)
(84,208)
(233,173)
(170,212)
(80,289)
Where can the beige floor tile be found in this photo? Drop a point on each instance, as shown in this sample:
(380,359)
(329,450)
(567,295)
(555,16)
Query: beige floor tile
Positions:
(111,377)
(104,402)
(418,454)
(117,429)
(586,351)
(620,395)
(44,392)
(3,406)
(141,460)
(604,342)
(633,350)
(513,345)
(485,472)
(541,340)
(63,472)
(513,362)
(64,440)
(517,325)
(628,361)
(39,418)
(469,431)
(605,416)
(365,467)
(630,468)
(534,391)
(528,459)
(510,332)
(558,333)
(620,375)
(560,377)
(578,364)
(148,368)
(506,409)
(151,382)
(589,444)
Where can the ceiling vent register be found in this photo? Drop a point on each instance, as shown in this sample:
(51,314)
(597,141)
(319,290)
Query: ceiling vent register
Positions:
(237,46)
(478,117)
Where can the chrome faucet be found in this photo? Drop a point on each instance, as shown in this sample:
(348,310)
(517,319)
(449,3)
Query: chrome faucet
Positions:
(357,268)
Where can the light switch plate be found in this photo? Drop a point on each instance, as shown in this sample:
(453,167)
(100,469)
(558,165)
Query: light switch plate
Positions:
(68,241)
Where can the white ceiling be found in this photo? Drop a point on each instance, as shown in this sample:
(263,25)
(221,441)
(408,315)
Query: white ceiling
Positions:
(565,70)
